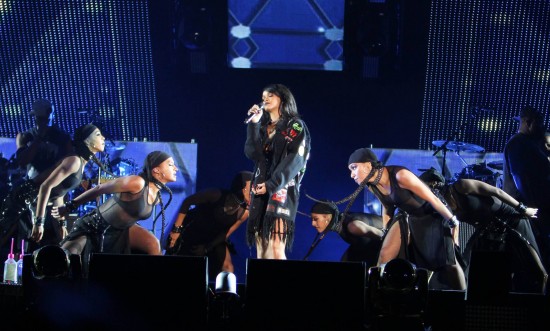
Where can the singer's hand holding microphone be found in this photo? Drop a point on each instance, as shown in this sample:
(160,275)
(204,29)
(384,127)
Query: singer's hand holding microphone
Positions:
(255,113)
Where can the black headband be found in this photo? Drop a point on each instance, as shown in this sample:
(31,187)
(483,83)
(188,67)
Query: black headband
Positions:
(83,132)
(239,181)
(323,208)
(156,158)
(432,175)
(362,155)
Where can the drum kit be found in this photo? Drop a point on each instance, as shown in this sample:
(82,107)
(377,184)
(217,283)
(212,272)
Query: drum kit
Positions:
(12,175)
(484,171)
(94,175)
(481,171)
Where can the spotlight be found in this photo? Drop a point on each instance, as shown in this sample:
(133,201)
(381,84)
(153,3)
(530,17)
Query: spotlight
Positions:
(51,261)
(226,286)
(51,278)
(225,292)
(399,275)
(397,295)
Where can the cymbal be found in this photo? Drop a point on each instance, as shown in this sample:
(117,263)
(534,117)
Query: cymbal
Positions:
(459,146)
(498,165)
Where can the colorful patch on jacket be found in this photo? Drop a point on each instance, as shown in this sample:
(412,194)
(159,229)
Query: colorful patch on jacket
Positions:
(279,196)
(290,134)
(293,132)
(279,210)
(283,211)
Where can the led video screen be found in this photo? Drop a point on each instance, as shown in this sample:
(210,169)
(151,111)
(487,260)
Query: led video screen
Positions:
(286,34)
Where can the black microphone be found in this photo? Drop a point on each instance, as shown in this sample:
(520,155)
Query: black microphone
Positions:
(262,108)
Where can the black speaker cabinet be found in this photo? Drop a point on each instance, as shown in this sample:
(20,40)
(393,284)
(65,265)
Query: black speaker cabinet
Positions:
(53,301)
(489,278)
(144,292)
(304,295)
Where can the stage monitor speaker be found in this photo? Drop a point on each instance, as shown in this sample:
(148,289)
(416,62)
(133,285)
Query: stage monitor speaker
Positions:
(304,295)
(489,278)
(146,292)
(521,312)
(53,289)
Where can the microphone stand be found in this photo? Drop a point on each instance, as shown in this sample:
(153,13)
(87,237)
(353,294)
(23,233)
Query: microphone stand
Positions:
(316,242)
(452,137)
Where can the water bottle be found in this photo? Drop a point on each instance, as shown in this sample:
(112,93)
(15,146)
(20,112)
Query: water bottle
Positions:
(20,269)
(20,263)
(10,268)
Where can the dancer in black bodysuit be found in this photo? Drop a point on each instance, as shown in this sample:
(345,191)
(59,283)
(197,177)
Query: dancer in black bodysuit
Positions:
(362,231)
(133,199)
(501,223)
(48,189)
(204,229)
(419,227)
